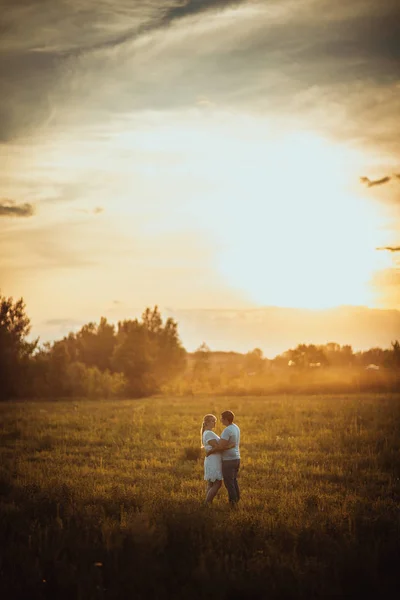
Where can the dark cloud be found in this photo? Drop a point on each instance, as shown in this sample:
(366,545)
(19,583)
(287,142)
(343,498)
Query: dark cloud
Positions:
(165,16)
(81,54)
(8,208)
(193,7)
(373,182)
(390,248)
(27,80)
(346,63)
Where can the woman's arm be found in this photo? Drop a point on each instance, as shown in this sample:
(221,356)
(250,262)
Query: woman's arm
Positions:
(213,443)
(219,446)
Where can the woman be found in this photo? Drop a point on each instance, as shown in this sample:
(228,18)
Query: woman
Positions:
(212,463)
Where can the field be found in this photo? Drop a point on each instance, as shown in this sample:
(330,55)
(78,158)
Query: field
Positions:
(104,500)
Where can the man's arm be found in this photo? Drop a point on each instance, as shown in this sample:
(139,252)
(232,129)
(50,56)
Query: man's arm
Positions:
(219,446)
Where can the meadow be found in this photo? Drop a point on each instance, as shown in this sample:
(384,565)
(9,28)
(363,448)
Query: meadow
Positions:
(103,499)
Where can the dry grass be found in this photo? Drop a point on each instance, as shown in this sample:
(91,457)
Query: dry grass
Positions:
(103,499)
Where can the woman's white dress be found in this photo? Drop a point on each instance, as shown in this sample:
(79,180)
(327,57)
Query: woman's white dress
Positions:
(212,463)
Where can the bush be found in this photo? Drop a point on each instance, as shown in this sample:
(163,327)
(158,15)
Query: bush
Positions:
(192,453)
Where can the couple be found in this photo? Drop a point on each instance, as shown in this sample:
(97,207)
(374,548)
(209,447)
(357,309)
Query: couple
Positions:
(222,459)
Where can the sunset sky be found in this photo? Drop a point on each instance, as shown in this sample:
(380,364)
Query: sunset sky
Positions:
(198,154)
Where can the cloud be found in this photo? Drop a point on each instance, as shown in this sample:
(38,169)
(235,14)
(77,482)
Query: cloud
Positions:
(93,211)
(194,7)
(275,329)
(390,248)
(86,60)
(53,246)
(371,183)
(204,102)
(9,208)
(50,330)
(90,80)
(64,322)
(387,285)
(374,182)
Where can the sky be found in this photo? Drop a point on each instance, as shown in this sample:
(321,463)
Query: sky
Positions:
(198,154)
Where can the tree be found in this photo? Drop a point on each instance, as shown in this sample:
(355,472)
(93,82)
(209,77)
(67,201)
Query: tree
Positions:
(171,356)
(304,355)
(59,361)
(148,353)
(15,350)
(202,358)
(396,354)
(95,344)
(376,356)
(339,356)
(254,361)
(132,357)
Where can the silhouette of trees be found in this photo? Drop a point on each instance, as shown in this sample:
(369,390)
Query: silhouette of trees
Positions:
(144,356)
(254,361)
(93,345)
(304,355)
(148,353)
(59,361)
(339,356)
(15,350)
(396,354)
(201,365)
(376,356)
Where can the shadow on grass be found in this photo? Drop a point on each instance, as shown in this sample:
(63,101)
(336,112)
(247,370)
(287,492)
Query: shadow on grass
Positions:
(57,545)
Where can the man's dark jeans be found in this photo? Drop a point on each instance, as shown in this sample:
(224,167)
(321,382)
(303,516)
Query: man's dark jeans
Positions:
(230,469)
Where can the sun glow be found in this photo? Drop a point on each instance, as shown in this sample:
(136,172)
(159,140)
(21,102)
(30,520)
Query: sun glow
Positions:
(305,236)
(278,211)
(283,207)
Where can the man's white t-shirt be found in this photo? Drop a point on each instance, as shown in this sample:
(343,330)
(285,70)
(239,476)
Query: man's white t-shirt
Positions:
(231,434)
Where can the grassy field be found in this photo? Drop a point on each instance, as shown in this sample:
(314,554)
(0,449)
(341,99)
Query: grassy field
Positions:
(104,500)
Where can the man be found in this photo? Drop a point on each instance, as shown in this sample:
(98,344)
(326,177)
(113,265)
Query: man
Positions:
(229,446)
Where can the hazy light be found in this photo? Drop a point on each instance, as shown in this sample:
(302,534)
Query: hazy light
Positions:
(282,207)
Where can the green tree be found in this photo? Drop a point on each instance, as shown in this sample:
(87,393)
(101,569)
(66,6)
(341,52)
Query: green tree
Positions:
(59,361)
(15,350)
(132,357)
(148,353)
(95,344)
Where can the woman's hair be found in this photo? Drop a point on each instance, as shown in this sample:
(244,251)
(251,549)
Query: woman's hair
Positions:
(206,419)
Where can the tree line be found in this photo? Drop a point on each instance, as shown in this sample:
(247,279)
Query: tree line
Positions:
(134,359)
(142,357)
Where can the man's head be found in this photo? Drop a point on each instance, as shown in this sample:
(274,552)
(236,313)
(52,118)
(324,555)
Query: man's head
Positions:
(227,417)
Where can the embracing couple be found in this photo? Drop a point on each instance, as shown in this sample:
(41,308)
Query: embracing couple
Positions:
(222,459)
